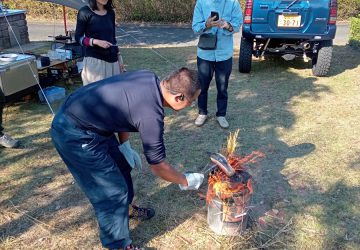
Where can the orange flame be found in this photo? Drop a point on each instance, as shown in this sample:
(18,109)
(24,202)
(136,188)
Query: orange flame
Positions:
(219,183)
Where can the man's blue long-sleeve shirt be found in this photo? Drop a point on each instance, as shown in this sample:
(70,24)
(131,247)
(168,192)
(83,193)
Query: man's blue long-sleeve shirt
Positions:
(225,44)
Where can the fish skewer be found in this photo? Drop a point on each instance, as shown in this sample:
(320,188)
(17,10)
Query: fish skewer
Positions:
(222,163)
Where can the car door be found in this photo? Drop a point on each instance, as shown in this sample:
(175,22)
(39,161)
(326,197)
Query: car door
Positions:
(289,16)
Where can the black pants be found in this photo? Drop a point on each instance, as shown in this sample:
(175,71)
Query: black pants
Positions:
(206,71)
(2,105)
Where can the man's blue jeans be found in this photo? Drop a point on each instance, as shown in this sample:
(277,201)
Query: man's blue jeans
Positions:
(102,173)
(206,71)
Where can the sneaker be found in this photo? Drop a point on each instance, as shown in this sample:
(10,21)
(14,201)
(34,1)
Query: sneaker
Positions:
(8,142)
(200,120)
(140,213)
(222,121)
(133,247)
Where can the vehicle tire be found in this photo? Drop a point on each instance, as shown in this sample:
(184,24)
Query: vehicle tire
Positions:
(245,56)
(321,62)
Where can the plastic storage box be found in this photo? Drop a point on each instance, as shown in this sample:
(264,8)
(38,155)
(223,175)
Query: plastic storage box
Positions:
(52,93)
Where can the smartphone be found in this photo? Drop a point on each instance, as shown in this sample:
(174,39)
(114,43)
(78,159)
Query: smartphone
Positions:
(216,14)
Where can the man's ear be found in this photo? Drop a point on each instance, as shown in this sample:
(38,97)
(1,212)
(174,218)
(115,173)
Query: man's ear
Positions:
(179,97)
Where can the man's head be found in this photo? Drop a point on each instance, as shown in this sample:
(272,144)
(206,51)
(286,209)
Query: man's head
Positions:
(180,88)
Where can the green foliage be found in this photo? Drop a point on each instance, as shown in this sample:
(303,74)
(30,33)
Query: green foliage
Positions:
(355,32)
(150,10)
(155,10)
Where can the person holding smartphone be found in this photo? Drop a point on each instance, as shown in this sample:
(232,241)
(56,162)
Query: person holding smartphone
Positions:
(95,29)
(222,18)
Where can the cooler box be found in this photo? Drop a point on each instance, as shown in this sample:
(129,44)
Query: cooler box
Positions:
(18,77)
(52,93)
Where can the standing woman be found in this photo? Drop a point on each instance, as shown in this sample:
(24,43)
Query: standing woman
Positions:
(95,29)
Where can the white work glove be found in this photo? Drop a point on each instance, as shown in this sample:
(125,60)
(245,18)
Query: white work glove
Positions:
(131,156)
(194,181)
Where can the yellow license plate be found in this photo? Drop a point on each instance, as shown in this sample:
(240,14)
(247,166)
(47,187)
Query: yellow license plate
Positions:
(289,21)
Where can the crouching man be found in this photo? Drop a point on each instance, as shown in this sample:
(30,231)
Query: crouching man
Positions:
(83,134)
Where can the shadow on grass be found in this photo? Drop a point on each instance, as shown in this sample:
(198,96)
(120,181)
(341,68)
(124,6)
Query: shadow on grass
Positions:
(344,58)
(336,209)
(339,213)
(260,105)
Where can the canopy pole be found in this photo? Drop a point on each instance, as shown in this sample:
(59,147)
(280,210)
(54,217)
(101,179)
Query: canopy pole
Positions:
(64,13)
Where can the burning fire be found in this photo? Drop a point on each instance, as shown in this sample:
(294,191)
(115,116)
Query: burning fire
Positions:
(225,187)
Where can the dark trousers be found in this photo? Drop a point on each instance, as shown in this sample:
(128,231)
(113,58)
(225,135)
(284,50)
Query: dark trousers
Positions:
(102,173)
(206,71)
(2,105)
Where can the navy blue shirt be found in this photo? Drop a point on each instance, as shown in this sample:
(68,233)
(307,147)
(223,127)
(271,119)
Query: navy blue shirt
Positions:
(129,102)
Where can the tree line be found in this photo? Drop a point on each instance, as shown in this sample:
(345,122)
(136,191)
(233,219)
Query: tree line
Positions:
(166,11)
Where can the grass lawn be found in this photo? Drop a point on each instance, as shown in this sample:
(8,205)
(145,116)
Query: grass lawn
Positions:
(307,189)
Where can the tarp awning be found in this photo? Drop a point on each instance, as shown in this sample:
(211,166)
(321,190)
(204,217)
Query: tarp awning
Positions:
(74,4)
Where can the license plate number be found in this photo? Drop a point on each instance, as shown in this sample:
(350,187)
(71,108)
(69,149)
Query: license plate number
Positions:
(289,21)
